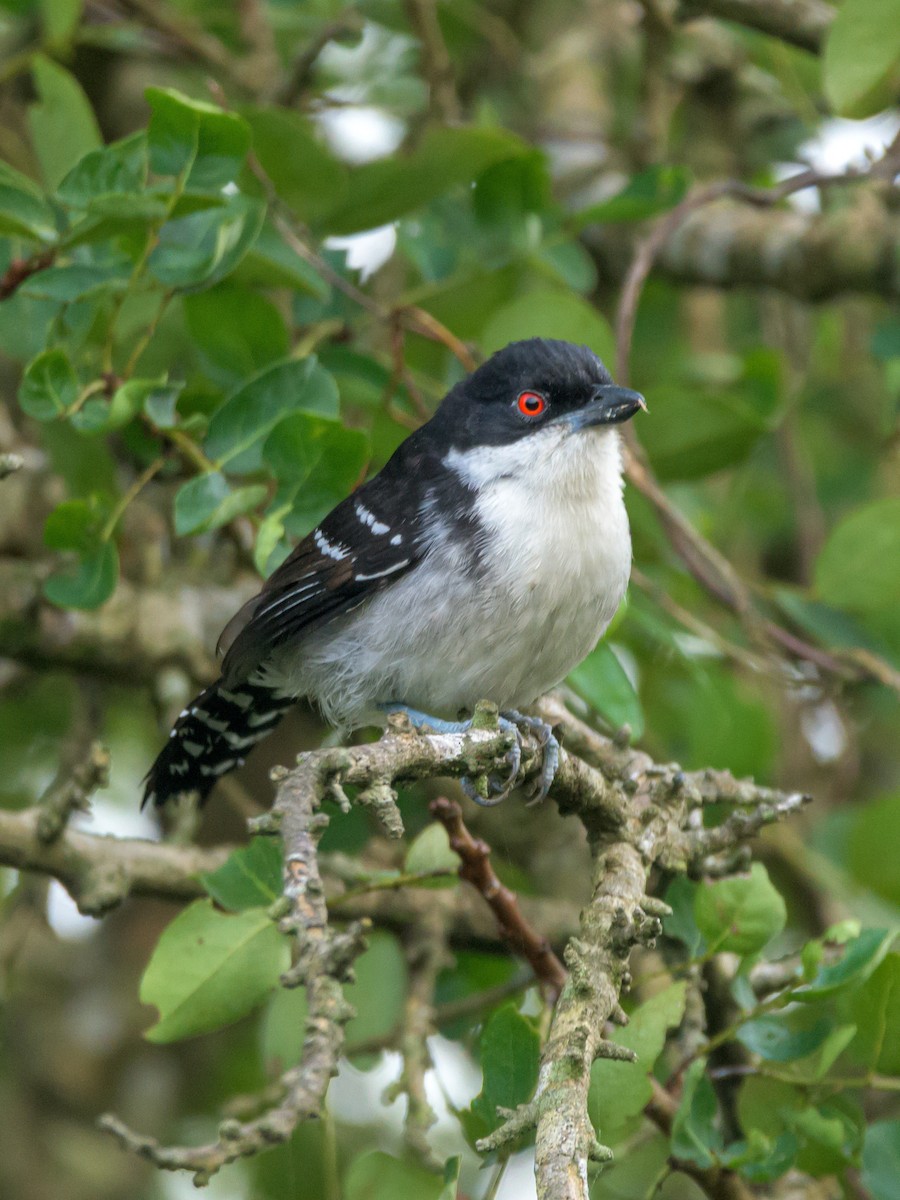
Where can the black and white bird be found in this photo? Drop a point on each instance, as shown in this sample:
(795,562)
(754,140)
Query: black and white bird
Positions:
(483,562)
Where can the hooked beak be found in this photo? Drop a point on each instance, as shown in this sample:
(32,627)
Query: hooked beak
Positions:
(610,405)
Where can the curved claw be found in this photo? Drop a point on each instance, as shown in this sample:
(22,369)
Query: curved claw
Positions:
(549,744)
(484,801)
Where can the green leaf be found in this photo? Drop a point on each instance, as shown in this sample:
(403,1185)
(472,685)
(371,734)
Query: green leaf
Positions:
(779,1039)
(199,250)
(238,429)
(430,852)
(99,415)
(49,386)
(270,262)
(23,209)
(619,1091)
(714,416)
(210,968)
(307,177)
(380,1176)
(90,584)
(250,877)
(740,914)
(861,956)
(549,313)
(872,847)
(382,191)
(59,19)
(160,405)
(238,331)
(681,896)
(881,1160)
(859,566)
(303,444)
(650,192)
(191,135)
(63,126)
(695,1138)
(378,990)
(283,1029)
(862,53)
(119,169)
(74,525)
(602,682)
(208,502)
(761,1159)
(510,1054)
(876,1010)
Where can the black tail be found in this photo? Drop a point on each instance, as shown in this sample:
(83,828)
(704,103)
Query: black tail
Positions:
(212,737)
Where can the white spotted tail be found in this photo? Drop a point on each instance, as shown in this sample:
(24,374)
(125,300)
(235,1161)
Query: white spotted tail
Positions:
(211,737)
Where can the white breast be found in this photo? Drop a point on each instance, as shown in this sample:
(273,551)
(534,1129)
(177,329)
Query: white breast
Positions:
(555,533)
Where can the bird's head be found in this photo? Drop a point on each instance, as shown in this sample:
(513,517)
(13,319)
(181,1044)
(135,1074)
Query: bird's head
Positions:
(533,386)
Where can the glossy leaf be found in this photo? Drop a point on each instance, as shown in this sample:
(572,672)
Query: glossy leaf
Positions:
(860,958)
(509,1053)
(778,1039)
(199,250)
(602,682)
(49,386)
(740,914)
(209,968)
(91,583)
(193,136)
(208,501)
(862,51)
(695,1134)
(250,877)
(239,428)
(876,1010)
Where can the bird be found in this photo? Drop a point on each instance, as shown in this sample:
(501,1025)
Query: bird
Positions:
(483,562)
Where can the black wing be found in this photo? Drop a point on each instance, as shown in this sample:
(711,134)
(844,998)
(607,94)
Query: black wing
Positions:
(365,544)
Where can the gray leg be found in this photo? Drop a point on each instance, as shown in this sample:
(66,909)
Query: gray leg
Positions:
(500,789)
(550,745)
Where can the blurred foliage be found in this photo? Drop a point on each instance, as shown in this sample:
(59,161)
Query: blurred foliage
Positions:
(201,373)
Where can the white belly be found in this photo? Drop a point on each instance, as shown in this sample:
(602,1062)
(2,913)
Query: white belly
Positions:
(441,639)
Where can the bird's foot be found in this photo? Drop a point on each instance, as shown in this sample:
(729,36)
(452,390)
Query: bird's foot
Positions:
(549,743)
(521,726)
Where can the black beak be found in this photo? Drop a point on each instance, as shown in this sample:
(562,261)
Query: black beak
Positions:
(610,405)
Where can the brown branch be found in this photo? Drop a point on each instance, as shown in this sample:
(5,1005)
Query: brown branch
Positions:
(99,871)
(300,72)
(21,269)
(72,793)
(437,66)
(802,23)
(324,961)
(425,945)
(708,566)
(515,931)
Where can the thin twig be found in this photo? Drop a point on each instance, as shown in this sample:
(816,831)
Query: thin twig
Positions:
(475,867)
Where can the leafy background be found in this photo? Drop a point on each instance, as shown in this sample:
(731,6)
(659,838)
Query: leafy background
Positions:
(195,371)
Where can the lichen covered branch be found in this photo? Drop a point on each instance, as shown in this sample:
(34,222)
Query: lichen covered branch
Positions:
(323,963)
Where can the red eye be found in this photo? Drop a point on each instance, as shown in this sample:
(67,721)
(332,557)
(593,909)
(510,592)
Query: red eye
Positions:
(531,404)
